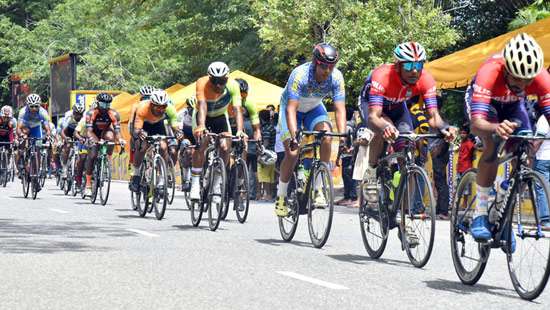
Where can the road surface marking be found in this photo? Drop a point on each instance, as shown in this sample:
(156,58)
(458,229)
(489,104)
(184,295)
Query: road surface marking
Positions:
(59,211)
(142,232)
(312,280)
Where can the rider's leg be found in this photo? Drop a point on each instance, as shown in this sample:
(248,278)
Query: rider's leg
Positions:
(64,158)
(90,161)
(139,153)
(196,169)
(109,136)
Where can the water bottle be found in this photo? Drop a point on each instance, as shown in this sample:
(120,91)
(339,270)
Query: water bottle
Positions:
(301,175)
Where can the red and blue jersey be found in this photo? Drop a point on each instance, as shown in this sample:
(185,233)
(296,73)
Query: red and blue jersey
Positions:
(7,129)
(489,88)
(384,88)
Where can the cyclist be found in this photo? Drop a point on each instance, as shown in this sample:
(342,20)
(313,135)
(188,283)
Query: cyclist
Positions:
(80,136)
(249,112)
(101,123)
(383,104)
(67,130)
(145,93)
(185,119)
(215,92)
(149,120)
(33,119)
(7,128)
(496,102)
(302,106)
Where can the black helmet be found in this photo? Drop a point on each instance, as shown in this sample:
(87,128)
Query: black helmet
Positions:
(243,84)
(104,97)
(325,53)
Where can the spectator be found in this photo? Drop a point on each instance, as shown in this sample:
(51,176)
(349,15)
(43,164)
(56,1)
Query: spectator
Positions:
(266,174)
(440,158)
(251,161)
(347,157)
(542,165)
(466,152)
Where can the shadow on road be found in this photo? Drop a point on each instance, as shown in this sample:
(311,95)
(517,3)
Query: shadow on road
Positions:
(278,242)
(44,238)
(362,259)
(458,288)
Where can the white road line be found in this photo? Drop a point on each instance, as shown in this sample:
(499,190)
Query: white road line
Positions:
(59,211)
(142,232)
(313,280)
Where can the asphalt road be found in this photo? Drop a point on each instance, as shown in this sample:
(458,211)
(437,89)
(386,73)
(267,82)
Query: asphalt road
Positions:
(59,252)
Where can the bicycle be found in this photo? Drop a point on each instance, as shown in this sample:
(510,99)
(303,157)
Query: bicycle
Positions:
(302,190)
(413,204)
(238,183)
(44,163)
(184,156)
(516,214)
(152,192)
(214,170)
(101,175)
(6,163)
(30,172)
(66,181)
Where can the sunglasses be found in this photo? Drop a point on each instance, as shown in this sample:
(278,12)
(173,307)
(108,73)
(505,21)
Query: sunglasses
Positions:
(34,107)
(325,66)
(412,65)
(218,80)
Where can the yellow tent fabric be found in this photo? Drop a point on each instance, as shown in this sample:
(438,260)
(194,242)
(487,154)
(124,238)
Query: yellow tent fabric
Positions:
(123,105)
(457,69)
(261,92)
(174,88)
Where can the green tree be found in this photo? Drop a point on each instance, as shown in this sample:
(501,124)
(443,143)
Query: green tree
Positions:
(540,9)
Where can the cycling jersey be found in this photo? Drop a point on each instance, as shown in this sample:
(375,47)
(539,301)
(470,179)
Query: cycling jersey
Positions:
(489,97)
(7,129)
(101,121)
(216,103)
(69,123)
(384,88)
(33,120)
(303,87)
(152,124)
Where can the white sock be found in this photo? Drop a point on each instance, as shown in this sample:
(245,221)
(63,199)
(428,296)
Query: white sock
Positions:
(136,171)
(482,200)
(282,188)
(186,174)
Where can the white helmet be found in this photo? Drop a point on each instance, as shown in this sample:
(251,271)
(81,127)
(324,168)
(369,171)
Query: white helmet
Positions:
(146,90)
(159,97)
(409,51)
(33,100)
(7,111)
(268,158)
(523,57)
(79,107)
(218,69)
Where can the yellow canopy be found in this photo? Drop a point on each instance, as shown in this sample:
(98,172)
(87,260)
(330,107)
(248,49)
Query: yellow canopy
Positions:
(457,69)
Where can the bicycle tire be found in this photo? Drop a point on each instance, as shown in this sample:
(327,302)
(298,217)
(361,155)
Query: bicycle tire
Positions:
(319,235)
(159,199)
(25,180)
(3,169)
(95,182)
(214,219)
(228,192)
(375,216)
(197,207)
(408,212)
(104,181)
(69,179)
(43,170)
(287,233)
(241,194)
(171,183)
(35,182)
(460,223)
(529,228)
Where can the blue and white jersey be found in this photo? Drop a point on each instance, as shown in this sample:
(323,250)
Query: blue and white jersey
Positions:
(33,120)
(69,121)
(303,87)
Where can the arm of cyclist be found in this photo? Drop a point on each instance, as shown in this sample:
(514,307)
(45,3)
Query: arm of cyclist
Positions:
(378,123)
(291,112)
(436,121)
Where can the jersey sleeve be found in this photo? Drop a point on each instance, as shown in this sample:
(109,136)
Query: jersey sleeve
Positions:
(252,112)
(375,93)
(90,118)
(338,87)
(115,120)
(541,85)
(296,82)
(172,116)
(428,90)
(44,117)
(140,117)
(200,87)
(235,92)
(483,89)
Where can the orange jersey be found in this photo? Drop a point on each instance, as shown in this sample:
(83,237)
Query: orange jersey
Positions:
(217,103)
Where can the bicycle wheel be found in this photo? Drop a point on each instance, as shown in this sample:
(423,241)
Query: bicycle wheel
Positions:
(68,181)
(469,256)
(197,207)
(104,181)
(289,224)
(26,181)
(529,263)
(95,180)
(160,182)
(35,181)
(3,168)
(229,190)
(241,199)
(417,225)
(43,171)
(374,217)
(216,193)
(319,217)
(171,182)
